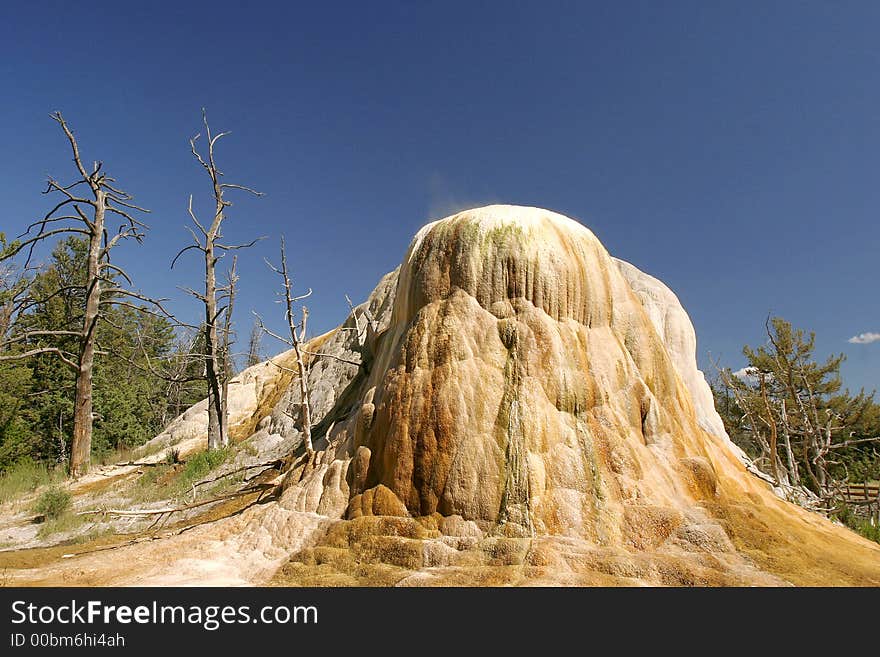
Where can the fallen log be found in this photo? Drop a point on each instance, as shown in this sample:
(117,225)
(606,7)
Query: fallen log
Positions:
(185,507)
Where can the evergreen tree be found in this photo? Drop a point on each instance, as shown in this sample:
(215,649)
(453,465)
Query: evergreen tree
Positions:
(791,412)
(131,394)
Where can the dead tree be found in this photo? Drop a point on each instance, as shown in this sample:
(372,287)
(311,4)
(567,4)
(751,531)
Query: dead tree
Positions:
(86,207)
(297,333)
(254,355)
(215,299)
(226,341)
(296,339)
(13,290)
(177,372)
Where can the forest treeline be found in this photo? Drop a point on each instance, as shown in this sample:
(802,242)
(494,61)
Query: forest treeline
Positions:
(132,400)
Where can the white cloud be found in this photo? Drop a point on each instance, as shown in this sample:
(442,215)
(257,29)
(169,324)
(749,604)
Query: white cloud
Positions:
(864,338)
(749,375)
(746,374)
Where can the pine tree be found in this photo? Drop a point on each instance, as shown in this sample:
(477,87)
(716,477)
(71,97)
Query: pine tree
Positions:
(795,412)
(131,404)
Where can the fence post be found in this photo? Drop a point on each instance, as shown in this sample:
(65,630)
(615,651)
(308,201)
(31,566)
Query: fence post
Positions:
(877,508)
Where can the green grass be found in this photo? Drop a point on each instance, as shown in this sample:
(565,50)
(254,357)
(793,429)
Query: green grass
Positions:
(167,480)
(197,467)
(859,524)
(151,485)
(25,477)
(864,527)
(96,532)
(66,522)
(170,480)
(111,456)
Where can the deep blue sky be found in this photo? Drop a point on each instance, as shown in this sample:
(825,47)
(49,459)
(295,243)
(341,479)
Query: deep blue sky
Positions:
(731,149)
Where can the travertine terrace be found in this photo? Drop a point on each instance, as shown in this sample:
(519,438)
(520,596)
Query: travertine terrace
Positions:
(528,411)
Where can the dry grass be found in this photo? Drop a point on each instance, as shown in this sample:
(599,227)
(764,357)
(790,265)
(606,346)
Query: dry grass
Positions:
(25,478)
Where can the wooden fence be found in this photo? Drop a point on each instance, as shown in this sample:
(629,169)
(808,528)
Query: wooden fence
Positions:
(862,493)
(864,499)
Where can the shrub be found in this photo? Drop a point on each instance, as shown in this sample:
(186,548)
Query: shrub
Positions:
(202,463)
(53,503)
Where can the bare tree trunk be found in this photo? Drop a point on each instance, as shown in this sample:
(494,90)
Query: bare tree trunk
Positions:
(302,366)
(216,421)
(213,250)
(755,426)
(794,475)
(774,452)
(254,356)
(297,335)
(225,352)
(62,445)
(297,341)
(5,323)
(821,441)
(305,403)
(81,444)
